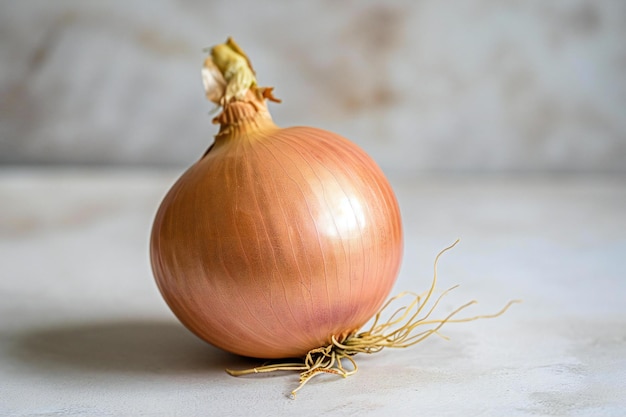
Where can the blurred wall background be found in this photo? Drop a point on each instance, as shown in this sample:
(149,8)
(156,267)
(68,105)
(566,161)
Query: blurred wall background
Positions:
(423,86)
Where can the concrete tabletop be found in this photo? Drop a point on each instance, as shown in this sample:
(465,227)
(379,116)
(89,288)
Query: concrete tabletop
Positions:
(85,332)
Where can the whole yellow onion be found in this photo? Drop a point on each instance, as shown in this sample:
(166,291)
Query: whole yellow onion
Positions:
(277,240)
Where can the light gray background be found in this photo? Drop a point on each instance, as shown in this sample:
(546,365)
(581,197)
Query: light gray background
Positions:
(423,86)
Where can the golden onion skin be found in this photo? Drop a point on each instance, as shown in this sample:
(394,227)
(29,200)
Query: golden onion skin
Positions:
(277,239)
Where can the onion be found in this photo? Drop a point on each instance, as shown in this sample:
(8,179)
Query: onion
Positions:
(276,240)
(283,243)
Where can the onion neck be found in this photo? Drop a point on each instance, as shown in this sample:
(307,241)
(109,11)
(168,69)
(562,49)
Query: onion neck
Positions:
(230,82)
(240,117)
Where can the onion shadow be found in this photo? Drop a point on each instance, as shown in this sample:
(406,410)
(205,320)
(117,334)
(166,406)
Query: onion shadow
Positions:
(121,347)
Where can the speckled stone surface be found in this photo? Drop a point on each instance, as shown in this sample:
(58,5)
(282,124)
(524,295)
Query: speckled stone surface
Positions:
(84,331)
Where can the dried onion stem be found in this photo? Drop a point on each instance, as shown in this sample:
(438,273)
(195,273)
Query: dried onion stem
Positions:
(396,332)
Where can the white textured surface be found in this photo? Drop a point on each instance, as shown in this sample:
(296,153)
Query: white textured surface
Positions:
(84,332)
(470,85)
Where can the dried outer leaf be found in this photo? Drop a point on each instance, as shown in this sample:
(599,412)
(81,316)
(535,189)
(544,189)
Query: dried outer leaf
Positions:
(228,74)
(235,47)
(213,80)
(236,70)
(267,93)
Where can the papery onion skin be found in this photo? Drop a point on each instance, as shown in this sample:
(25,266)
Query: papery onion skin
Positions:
(276,239)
